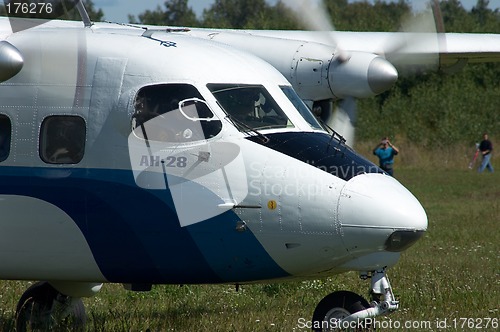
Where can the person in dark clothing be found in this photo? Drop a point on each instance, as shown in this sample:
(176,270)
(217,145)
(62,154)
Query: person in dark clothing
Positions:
(486,148)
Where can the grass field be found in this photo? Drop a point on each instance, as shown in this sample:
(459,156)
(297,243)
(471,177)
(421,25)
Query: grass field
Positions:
(453,273)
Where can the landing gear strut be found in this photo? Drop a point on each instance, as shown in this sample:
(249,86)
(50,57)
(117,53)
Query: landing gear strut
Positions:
(43,308)
(347,311)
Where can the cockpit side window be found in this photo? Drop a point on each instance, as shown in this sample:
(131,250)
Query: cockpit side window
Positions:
(173,113)
(251,105)
(301,107)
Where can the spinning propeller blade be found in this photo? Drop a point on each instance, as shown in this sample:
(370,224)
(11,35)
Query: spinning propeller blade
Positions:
(419,44)
(313,15)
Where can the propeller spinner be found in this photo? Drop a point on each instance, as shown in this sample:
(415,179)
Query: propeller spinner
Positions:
(11,61)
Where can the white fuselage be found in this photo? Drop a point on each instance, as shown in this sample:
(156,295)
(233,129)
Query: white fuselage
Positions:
(132,210)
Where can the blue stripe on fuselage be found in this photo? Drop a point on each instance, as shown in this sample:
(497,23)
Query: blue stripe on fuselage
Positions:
(234,255)
(134,234)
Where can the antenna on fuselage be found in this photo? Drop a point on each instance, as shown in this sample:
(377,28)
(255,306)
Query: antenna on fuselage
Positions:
(84,14)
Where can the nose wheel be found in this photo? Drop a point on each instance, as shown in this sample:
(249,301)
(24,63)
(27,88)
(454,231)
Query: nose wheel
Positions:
(43,308)
(348,311)
(336,307)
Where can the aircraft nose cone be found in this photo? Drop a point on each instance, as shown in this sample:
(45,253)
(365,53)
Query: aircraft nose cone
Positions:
(381,75)
(378,213)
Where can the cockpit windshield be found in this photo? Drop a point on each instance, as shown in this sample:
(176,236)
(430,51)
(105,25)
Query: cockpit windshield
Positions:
(251,105)
(301,107)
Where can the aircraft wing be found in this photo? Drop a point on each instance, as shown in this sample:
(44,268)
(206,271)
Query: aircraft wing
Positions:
(452,48)
(473,47)
(304,57)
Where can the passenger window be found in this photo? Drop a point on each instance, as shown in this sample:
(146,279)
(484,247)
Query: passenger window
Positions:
(5,137)
(62,139)
(173,113)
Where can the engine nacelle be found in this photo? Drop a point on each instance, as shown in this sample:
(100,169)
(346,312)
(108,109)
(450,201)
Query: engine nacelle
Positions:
(360,75)
(317,71)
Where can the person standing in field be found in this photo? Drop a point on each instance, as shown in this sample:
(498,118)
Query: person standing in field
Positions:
(385,152)
(486,149)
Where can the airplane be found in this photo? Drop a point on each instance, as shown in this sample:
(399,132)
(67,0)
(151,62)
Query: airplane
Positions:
(147,155)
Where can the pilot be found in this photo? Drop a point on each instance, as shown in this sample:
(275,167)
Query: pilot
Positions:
(143,112)
(245,110)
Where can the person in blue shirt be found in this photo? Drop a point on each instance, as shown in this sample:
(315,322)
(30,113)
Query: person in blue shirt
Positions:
(385,152)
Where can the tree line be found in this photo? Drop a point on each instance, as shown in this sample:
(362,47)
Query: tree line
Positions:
(357,16)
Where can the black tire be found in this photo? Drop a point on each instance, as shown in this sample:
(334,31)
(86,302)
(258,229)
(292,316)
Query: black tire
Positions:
(338,305)
(35,310)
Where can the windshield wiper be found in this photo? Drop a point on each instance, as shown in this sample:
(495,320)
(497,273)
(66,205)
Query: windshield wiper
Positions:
(238,123)
(340,138)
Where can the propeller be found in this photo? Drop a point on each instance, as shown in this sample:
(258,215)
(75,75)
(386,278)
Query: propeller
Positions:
(354,74)
(419,44)
(314,17)
(312,14)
